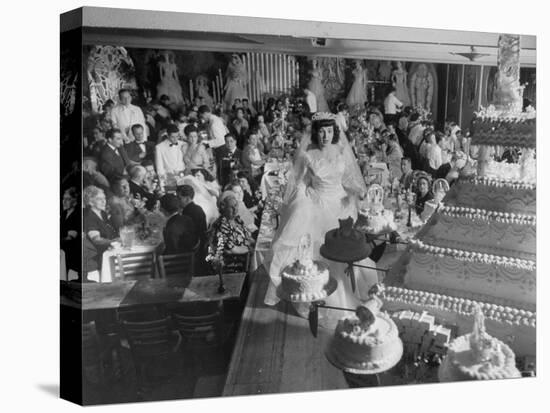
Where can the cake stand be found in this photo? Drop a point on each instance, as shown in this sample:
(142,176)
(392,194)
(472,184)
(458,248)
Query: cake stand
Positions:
(368,376)
(347,260)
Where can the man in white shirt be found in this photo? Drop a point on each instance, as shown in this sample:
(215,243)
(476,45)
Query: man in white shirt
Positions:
(216,128)
(311,100)
(124,115)
(169,154)
(391,106)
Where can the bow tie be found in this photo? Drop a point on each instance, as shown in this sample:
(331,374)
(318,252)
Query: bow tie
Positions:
(173,144)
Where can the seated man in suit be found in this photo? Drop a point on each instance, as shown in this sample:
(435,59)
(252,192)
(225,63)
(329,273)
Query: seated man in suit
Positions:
(113,160)
(139,186)
(228,157)
(186,193)
(180,233)
(139,149)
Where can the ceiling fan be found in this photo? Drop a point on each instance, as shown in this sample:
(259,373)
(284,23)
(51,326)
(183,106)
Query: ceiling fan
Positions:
(472,55)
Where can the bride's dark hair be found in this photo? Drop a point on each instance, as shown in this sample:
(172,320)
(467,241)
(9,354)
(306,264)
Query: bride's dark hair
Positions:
(321,123)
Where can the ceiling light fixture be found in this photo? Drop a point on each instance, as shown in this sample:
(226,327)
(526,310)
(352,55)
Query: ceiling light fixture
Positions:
(472,55)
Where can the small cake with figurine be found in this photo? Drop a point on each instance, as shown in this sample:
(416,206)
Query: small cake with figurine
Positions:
(478,356)
(305,280)
(374,218)
(368,343)
(345,244)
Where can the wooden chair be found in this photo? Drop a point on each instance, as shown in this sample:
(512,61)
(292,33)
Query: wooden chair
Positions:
(95,358)
(153,344)
(134,266)
(201,326)
(180,266)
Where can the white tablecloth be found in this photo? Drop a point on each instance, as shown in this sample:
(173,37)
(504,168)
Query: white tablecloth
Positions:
(62,267)
(106,270)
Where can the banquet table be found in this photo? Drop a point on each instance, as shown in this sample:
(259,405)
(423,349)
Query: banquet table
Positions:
(275,351)
(120,294)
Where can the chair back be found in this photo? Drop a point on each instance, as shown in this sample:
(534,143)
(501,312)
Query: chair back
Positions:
(134,266)
(200,324)
(235,263)
(178,266)
(148,339)
(91,350)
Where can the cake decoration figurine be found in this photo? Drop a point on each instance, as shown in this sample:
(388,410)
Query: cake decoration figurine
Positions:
(375,219)
(478,356)
(367,343)
(305,280)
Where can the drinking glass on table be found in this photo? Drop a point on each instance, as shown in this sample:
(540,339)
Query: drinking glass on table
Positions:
(127,237)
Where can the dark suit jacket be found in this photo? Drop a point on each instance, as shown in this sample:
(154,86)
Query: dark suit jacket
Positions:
(180,235)
(133,150)
(198,217)
(223,162)
(72,247)
(111,165)
(136,189)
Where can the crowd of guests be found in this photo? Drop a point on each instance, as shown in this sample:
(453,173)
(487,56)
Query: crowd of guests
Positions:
(198,169)
(194,169)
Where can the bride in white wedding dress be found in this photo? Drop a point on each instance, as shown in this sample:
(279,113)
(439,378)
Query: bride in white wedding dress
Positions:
(325,186)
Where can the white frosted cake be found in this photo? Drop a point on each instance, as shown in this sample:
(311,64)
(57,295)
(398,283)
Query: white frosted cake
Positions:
(473,275)
(494,195)
(367,343)
(478,356)
(376,220)
(515,326)
(305,280)
(371,349)
(488,232)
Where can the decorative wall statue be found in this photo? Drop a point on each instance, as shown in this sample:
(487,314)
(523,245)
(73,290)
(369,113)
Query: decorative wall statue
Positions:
(169,83)
(109,69)
(315,86)
(399,82)
(69,79)
(470,85)
(235,84)
(357,95)
(384,71)
(332,70)
(202,90)
(422,87)
(508,92)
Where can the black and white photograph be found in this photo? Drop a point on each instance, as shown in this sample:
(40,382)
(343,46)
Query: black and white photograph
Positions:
(288,206)
(270,213)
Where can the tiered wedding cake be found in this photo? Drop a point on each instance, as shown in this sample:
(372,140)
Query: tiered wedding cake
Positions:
(479,248)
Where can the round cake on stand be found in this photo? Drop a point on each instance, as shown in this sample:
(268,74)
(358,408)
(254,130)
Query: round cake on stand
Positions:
(365,345)
(305,280)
